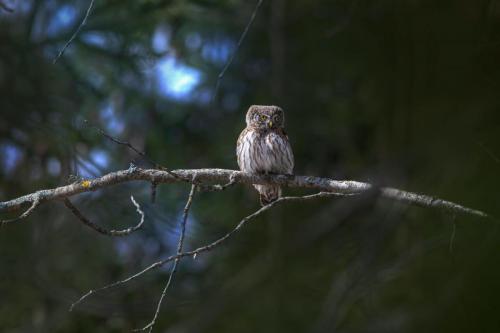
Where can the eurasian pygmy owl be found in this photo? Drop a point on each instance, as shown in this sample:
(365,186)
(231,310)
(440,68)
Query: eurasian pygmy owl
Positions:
(263,148)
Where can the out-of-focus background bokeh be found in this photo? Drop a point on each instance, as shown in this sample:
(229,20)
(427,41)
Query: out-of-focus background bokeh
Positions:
(399,93)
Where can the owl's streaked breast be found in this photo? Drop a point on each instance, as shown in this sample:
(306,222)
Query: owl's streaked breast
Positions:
(259,152)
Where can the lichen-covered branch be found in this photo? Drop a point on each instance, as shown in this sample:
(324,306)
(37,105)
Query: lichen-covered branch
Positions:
(209,177)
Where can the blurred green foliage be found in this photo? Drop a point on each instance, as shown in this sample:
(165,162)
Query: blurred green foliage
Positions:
(400,93)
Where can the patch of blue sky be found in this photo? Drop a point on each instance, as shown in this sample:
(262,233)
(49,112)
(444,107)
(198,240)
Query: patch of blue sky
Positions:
(111,121)
(95,38)
(64,18)
(176,80)
(169,237)
(53,166)
(100,158)
(97,162)
(161,39)
(123,248)
(11,155)
(218,51)
(85,169)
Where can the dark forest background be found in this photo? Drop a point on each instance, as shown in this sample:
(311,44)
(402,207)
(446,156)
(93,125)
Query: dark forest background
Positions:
(398,93)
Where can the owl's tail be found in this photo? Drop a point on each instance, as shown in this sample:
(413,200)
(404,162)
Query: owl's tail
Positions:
(268,193)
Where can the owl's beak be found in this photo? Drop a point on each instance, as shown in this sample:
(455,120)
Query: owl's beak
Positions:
(270,124)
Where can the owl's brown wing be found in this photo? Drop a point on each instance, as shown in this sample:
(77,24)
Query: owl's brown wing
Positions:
(239,147)
(287,150)
(240,138)
(281,132)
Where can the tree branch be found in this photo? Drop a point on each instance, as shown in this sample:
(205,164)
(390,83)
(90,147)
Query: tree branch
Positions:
(207,247)
(238,45)
(140,153)
(205,177)
(34,204)
(101,230)
(189,202)
(77,31)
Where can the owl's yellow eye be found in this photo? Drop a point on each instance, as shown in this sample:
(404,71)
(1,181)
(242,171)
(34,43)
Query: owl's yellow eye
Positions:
(262,117)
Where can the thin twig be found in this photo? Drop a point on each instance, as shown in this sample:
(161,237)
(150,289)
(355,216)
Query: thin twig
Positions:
(123,143)
(154,183)
(137,151)
(488,151)
(31,209)
(180,244)
(233,55)
(68,43)
(101,230)
(208,247)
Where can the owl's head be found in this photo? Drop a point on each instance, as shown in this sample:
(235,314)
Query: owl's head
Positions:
(265,117)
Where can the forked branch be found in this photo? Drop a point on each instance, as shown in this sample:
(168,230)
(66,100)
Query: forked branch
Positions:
(114,233)
(209,179)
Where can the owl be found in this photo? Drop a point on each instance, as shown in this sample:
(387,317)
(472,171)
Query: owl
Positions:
(263,148)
